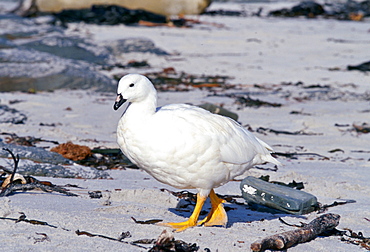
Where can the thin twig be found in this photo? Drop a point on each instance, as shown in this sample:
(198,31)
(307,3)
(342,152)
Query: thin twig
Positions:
(291,225)
(16,161)
(78,232)
(22,218)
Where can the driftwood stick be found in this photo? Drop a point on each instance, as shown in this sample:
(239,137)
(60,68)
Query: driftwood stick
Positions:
(306,233)
(16,161)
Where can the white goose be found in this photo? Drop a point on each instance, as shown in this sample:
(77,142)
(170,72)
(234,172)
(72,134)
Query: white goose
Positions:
(185,146)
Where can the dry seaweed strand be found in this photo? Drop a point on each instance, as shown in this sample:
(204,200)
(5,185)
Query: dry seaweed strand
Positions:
(293,155)
(34,185)
(324,208)
(356,239)
(152,221)
(119,239)
(23,218)
(25,141)
(306,233)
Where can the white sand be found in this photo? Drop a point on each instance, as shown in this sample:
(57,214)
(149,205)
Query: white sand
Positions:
(252,50)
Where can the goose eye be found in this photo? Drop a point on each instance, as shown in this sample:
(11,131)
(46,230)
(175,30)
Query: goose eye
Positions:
(131,85)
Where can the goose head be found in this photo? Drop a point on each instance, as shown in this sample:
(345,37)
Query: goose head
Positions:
(133,88)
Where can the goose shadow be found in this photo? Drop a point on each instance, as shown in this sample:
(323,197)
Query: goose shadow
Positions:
(237,212)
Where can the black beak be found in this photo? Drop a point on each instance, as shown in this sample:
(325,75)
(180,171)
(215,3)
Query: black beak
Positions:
(119,102)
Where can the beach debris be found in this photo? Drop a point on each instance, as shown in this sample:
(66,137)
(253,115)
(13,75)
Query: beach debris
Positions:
(130,64)
(11,115)
(356,239)
(244,100)
(221,12)
(14,177)
(44,237)
(324,208)
(170,80)
(95,194)
(120,238)
(13,181)
(295,155)
(145,241)
(261,193)
(293,184)
(264,131)
(166,242)
(295,112)
(72,151)
(274,169)
(23,218)
(103,159)
(137,64)
(362,128)
(363,67)
(349,10)
(247,101)
(153,221)
(336,150)
(12,138)
(32,184)
(306,233)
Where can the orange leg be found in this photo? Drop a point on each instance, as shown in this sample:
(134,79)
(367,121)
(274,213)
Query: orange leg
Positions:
(192,221)
(217,216)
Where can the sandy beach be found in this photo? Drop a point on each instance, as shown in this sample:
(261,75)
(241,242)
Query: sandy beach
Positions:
(298,63)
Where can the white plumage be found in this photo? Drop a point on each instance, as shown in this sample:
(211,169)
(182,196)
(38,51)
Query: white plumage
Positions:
(184,146)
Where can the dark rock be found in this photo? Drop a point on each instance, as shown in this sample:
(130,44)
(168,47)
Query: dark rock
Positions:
(108,15)
(10,115)
(130,45)
(24,69)
(35,154)
(306,8)
(71,48)
(350,10)
(364,67)
(222,12)
(14,27)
